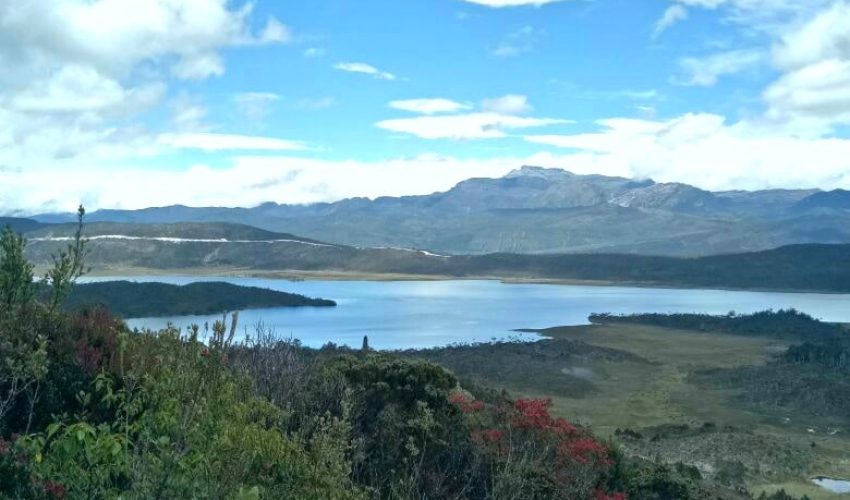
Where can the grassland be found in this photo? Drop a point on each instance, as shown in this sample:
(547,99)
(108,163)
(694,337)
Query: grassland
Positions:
(620,376)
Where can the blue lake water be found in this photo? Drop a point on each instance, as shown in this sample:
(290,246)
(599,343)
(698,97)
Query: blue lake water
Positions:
(833,485)
(416,314)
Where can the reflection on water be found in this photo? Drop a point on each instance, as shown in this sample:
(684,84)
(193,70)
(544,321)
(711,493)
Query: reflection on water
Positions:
(414,314)
(833,485)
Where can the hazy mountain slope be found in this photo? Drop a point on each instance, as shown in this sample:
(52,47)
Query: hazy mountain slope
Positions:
(183,230)
(535,210)
(801,267)
(20,225)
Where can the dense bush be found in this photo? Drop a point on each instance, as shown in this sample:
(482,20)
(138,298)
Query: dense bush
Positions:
(833,354)
(135,300)
(785,323)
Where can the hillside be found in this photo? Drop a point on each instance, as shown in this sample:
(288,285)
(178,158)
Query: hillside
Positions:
(20,225)
(181,231)
(536,210)
(797,267)
(134,300)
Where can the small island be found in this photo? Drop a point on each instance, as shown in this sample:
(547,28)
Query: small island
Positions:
(130,299)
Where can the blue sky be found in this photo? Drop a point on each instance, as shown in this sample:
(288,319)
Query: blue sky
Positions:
(210,102)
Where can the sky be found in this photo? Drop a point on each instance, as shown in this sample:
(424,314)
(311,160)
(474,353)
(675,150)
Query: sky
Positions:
(119,104)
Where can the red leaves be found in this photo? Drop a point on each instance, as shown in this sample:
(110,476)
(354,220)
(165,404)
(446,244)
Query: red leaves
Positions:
(5,446)
(56,490)
(88,357)
(492,435)
(524,429)
(466,404)
(534,414)
(585,450)
(601,495)
(94,337)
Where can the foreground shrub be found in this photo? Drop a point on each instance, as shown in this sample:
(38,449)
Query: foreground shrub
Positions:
(527,453)
(185,427)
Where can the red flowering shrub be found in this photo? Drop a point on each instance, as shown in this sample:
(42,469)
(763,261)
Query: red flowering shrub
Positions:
(586,451)
(466,404)
(93,335)
(549,457)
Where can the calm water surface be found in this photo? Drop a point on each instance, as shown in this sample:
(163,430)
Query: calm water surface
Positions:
(833,485)
(415,314)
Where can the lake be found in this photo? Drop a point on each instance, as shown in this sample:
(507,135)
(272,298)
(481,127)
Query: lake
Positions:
(833,485)
(417,314)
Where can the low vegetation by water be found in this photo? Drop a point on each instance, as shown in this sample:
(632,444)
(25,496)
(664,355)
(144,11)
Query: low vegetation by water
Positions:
(786,323)
(136,300)
(718,397)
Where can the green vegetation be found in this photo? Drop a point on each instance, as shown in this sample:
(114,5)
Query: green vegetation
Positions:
(135,300)
(807,379)
(658,393)
(783,324)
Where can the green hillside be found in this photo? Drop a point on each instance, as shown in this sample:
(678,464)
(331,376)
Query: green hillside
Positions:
(811,267)
(133,300)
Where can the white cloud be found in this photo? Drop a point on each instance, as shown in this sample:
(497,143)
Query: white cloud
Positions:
(698,149)
(511,3)
(511,104)
(518,42)
(79,75)
(228,142)
(671,16)
(246,181)
(316,103)
(274,32)
(767,16)
(706,71)
(188,114)
(113,36)
(814,90)
(78,89)
(429,106)
(314,52)
(464,126)
(638,95)
(810,51)
(255,105)
(816,96)
(704,150)
(366,69)
(708,4)
(825,36)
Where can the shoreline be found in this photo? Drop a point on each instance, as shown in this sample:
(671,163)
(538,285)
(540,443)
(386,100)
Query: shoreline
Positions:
(301,275)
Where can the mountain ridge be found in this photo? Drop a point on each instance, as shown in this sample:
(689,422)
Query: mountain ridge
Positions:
(539,210)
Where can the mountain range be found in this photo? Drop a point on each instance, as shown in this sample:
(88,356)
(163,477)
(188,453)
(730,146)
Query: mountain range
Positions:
(536,210)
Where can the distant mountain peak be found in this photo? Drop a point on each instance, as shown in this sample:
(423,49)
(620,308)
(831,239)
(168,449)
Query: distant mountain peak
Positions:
(539,172)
